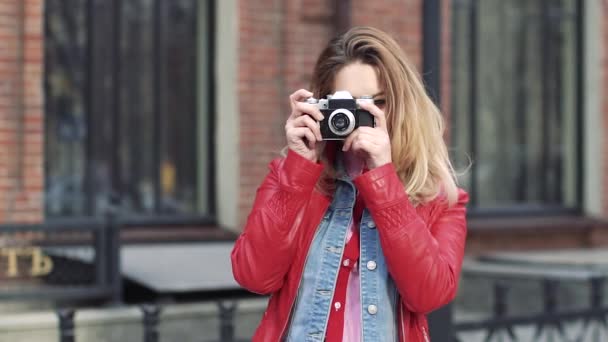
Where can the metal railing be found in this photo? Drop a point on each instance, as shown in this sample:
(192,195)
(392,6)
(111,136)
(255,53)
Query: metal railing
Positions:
(151,318)
(46,253)
(585,322)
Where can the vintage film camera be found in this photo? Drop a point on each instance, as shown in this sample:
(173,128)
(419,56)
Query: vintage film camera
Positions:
(342,115)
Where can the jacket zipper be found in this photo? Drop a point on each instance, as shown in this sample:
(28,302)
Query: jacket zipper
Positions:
(423,328)
(402,323)
(426,337)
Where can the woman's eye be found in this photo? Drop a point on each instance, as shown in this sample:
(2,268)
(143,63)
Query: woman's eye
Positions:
(380,102)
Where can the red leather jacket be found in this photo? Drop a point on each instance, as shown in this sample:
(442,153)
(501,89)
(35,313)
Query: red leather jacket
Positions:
(423,245)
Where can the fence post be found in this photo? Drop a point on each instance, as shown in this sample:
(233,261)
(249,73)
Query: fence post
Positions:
(227,320)
(596,293)
(66,324)
(151,318)
(113,253)
(501,291)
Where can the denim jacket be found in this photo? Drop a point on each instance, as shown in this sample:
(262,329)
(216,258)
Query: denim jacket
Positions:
(377,290)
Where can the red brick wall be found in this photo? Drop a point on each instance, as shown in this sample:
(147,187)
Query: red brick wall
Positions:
(278,45)
(21,117)
(400,18)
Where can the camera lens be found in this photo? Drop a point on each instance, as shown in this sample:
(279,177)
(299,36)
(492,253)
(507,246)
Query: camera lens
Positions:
(340,122)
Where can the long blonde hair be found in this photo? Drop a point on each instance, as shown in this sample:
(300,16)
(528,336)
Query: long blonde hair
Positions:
(415,124)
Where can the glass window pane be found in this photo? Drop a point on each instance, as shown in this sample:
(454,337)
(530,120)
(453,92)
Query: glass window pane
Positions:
(138,146)
(179,147)
(128,77)
(521,131)
(65,120)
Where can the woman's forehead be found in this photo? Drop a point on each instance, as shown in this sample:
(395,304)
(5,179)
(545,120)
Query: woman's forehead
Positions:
(359,79)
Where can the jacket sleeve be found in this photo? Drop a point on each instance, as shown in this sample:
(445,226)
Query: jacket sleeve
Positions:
(264,251)
(424,261)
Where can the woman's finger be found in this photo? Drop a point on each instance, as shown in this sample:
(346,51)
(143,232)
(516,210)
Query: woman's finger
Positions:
(349,140)
(304,132)
(359,145)
(298,96)
(306,120)
(307,108)
(376,135)
(371,133)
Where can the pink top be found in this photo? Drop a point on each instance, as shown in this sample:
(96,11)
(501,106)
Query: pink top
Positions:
(352,313)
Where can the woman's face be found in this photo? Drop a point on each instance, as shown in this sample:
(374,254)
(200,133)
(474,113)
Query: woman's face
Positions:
(360,79)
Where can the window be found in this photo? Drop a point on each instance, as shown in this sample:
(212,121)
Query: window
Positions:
(516,103)
(126,114)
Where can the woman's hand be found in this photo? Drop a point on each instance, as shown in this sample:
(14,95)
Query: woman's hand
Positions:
(371,143)
(302,128)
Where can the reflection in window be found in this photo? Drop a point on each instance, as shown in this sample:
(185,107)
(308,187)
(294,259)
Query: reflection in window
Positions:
(515,104)
(121,107)
(65,119)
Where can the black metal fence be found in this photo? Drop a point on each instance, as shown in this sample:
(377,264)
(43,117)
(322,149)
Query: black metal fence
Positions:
(79,259)
(586,321)
(150,320)
(549,324)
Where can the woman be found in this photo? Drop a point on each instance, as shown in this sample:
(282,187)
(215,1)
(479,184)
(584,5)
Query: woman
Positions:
(357,240)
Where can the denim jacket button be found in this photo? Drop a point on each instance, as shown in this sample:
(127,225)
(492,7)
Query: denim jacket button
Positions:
(371,225)
(372,309)
(371,265)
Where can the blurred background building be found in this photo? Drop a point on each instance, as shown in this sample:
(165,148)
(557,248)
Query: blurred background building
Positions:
(173,109)
(168,111)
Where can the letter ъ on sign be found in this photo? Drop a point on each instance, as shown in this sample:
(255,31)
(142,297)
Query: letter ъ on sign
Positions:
(11,258)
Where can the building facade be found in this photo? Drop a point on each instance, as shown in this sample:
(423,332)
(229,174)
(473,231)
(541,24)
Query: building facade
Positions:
(172,110)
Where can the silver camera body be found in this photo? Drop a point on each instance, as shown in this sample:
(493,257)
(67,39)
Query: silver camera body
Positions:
(342,115)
